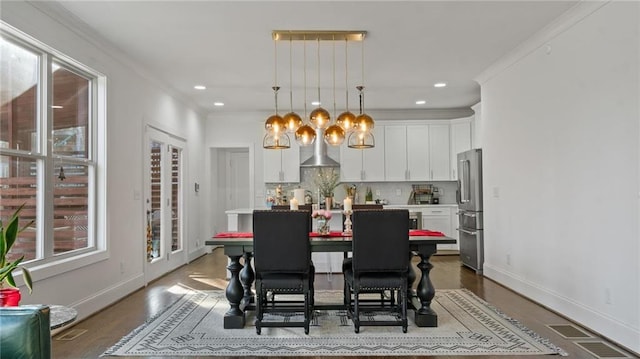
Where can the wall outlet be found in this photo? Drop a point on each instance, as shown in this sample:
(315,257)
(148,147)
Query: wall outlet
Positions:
(607,296)
(121,267)
(398,192)
(496,192)
(508,259)
(378,193)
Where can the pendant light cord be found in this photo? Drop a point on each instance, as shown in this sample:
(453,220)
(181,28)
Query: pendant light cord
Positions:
(346,74)
(334,78)
(304,50)
(275,80)
(320,102)
(290,77)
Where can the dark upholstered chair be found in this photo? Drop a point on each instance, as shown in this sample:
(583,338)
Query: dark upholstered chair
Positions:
(347,260)
(380,262)
(25,332)
(282,257)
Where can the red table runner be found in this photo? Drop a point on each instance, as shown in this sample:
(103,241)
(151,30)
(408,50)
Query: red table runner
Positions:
(413,232)
(234,235)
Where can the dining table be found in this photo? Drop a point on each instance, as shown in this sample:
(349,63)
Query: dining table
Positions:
(237,245)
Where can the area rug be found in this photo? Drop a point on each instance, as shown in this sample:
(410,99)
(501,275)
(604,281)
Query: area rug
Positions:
(467,325)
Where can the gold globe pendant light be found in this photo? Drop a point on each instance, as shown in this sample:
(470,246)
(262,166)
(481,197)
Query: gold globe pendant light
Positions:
(361,140)
(334,134)
(363,123)
(319,117)
(347,119)
(319,124)
(276,137)
(361,137)
(293,120)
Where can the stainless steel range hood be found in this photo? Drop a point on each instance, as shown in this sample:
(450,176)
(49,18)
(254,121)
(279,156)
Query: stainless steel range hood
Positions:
(320,157)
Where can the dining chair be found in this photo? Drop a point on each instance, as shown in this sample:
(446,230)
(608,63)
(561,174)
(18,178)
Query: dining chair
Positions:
(380,262)
(282,261)
(346,262)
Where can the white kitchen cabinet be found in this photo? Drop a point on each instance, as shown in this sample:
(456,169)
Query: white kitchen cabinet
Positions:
(406,153)
(395,153)
(439,153)
(366,165)
(460,142)
(439,219)
(282,166)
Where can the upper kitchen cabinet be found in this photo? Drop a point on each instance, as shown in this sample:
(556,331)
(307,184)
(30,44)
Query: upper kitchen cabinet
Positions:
(406,153)
(365,165)
(439,153)
(282,165)
(460,142)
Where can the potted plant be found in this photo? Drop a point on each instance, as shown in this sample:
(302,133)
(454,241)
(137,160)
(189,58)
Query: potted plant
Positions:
(9,293)
(327,179)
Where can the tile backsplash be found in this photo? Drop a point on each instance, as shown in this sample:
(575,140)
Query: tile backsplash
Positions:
(393,192)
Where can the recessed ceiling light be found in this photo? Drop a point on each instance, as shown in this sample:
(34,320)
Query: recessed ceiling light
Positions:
(315,103)
(421,102)
(440,84)
(218,104)
(200,87)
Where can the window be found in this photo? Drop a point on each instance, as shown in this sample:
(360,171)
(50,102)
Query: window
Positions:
(49,154)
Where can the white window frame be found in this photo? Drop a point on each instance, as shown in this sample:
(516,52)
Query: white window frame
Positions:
(47,264)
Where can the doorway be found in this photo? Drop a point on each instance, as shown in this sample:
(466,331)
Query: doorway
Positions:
(232,181)
(164,202)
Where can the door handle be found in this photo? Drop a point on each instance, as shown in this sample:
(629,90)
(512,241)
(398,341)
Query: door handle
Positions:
(467,232)
(472,215)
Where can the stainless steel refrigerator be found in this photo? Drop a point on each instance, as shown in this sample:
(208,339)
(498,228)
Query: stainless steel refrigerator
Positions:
(469,198)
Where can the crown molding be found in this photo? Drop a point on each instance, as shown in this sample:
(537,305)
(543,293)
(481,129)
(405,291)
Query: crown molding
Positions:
(561,24)
(68,20)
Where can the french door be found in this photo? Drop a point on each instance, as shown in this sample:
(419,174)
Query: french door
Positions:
(164,203)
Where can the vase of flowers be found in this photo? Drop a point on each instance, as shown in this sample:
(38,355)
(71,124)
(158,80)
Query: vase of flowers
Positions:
(327,179)
(322,217)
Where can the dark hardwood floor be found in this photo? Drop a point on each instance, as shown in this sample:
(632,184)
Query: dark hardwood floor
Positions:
(208,272)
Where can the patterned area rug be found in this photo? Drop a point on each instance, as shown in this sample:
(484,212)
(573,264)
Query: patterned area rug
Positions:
(467,325)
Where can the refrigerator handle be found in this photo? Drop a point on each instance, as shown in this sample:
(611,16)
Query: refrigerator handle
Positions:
(467,232)
(472,215)
(458,197)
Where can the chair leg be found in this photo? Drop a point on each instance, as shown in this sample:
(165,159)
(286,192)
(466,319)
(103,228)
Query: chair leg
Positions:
(356,310)
(307,312)
(259,303)
(403,300)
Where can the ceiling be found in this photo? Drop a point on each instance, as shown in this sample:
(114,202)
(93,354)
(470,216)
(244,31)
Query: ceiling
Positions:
(227,46)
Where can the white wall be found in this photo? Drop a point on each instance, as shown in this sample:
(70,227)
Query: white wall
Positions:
(561,139)
(232,130)
(133,100)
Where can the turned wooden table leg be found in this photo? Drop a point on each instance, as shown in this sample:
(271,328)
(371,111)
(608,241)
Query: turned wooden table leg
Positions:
(411,278)
(234,317)
(425,316)
(247,277)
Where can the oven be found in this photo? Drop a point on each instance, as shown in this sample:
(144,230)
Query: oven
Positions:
(415,220)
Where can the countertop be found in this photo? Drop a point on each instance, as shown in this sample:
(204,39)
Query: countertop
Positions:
(337,210)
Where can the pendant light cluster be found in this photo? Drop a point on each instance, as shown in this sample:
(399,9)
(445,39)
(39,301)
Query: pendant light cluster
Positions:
(358,128)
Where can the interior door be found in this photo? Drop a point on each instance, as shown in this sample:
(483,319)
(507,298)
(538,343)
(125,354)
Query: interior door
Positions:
(164,201)
(238,179)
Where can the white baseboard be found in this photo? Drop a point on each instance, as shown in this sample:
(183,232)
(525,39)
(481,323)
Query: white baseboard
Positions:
(102,299)
(606,326)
